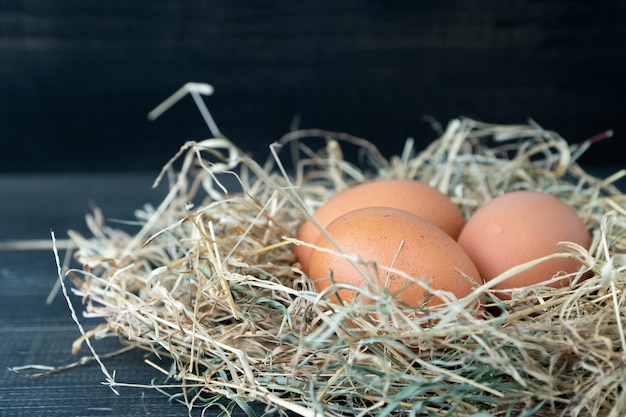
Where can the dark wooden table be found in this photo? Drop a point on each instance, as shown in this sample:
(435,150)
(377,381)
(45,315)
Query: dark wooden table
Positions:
(34,332)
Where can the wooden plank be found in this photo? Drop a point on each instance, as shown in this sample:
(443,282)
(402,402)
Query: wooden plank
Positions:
(80,76)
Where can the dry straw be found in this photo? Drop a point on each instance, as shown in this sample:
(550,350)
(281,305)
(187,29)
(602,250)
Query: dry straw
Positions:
(209,284)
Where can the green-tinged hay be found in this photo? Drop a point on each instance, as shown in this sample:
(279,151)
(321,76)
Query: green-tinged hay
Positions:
(214,286)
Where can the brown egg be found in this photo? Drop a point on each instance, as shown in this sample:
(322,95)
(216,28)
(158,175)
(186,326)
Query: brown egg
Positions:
(518,227)
(410,195)
(392,237)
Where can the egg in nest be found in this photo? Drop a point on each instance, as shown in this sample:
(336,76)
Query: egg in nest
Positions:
(522,226)
(392,238)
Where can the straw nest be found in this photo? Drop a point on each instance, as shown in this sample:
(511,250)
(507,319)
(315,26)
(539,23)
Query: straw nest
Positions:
(208,282)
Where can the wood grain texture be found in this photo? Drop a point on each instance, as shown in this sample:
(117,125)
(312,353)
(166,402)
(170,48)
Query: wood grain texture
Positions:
(81,76)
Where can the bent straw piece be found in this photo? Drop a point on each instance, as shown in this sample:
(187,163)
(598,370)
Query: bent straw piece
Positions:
(199,88)
(195,90)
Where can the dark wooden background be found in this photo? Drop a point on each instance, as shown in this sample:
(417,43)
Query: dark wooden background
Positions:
(78,78)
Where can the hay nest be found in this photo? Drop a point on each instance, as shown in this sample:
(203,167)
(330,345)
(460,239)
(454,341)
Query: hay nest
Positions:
(208,280)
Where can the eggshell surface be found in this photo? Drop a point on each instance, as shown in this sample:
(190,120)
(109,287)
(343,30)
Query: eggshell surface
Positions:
(405,194)
(518,227)
(392,237)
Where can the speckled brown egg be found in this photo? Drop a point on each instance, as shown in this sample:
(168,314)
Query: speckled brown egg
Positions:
(392,237)
(518,227)
(405,194)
